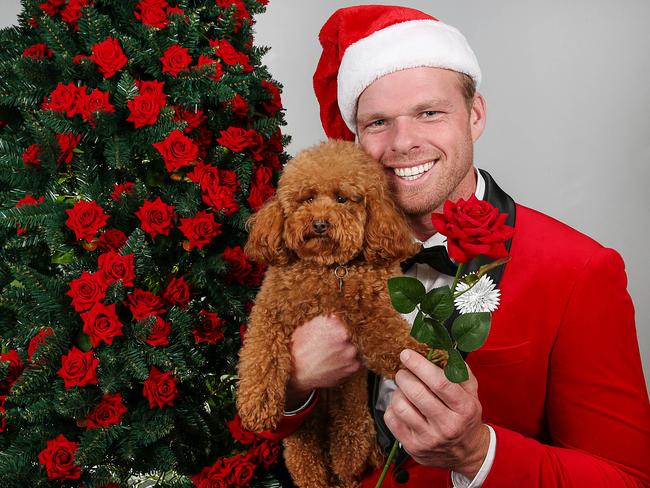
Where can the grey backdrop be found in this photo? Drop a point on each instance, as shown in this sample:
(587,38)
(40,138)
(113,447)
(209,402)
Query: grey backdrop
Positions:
(567,86)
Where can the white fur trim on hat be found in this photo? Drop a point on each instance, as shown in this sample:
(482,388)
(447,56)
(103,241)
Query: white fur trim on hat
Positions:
(410,44)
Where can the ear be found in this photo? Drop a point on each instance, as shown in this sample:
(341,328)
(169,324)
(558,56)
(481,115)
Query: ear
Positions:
(388,237)
(265,244)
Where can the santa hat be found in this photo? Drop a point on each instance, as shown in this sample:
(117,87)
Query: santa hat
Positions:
(363,43)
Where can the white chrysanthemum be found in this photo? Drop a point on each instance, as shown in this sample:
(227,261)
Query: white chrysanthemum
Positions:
(483,297)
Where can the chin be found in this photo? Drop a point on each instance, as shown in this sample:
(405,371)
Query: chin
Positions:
(324,251)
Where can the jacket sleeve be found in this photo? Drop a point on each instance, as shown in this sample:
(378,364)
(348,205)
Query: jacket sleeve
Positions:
(597,408)
(290,423)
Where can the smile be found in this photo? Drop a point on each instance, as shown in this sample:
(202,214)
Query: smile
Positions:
(414,172)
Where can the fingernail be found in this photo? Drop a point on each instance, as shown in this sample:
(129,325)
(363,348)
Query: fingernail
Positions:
(405,355)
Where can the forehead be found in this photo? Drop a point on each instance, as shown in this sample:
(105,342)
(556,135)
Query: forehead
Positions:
(401,90)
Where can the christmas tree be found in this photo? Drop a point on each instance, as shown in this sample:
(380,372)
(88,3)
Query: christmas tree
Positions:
(136,138)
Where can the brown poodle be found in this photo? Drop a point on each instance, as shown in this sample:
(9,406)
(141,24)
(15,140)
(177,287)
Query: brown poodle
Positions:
(332,237)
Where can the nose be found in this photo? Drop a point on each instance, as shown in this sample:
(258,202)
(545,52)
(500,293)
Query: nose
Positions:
(405,137)
(320,226)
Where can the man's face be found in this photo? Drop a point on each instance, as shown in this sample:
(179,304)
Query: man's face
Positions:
(417,124)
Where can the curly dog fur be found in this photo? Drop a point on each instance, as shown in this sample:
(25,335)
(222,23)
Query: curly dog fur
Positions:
(337,187)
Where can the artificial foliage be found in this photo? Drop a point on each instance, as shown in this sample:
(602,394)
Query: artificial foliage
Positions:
(136,139)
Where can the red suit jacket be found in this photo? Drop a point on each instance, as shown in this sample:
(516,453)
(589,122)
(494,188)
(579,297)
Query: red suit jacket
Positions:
(560,375)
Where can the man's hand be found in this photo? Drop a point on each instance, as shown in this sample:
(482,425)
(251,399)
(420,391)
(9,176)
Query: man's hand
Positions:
(322,355)
(438,422)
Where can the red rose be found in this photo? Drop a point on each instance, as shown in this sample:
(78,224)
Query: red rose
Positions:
(267,453)
(153,88)
(204,174)
(107,412)
(64,98)
(78,368)
(204,138)
(87,290)
(116,267)
(228,178)
(177,292)
(119,188)
(175,59)
(473,227)
(241,470)
(101,324)
(212,476)
(221,198)
(14,370)
(200,230)
(51,7)
(38,51)
(156,218)
(159,334)
(230,55)
(111,239)
(210,328)
(239,433)
(38,340)
(96,101)
(108,56)
(238,105)
(85,219)
(240,11)
(72,12)
(261,190)
(177,150)
(193,118)
(274,142)
(257,275)
(218,69)
(160,388)
(67,144)
(234,138)
(26,200)
(144,303)
(152,13)
(271,160)
(58,459)
(239,267)
(31,156)
(79,58)
(144,110)
(274,104)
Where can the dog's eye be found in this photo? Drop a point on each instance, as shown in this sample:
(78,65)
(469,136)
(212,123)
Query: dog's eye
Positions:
(308,199)
(340,199)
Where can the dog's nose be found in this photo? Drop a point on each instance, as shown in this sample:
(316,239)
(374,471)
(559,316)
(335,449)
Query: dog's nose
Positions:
(320,226)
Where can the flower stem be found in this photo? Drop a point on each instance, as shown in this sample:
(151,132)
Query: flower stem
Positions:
(457,277)
(391,456)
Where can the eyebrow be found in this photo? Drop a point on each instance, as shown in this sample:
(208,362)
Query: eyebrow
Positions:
(420,107)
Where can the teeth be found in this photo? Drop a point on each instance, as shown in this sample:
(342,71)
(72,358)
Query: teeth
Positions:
(413,172)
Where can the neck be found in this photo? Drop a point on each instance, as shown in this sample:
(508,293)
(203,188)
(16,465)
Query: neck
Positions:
(421,225)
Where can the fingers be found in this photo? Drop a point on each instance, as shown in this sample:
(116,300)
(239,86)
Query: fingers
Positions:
(417,393)
(403,419)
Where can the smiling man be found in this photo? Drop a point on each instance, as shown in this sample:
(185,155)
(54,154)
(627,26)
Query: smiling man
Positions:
(556,397)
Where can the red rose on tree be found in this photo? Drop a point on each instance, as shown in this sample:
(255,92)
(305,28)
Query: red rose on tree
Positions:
(152,13)
(261,189)
(78,368)
(221,198)
(473,227)
(160,388)
(156,218)
(267,453)
(145,109)
(234,138)
(108,56)
(111,239)
(26,200)
(87,290)
(96,101)
(239,267)
(120,188)
(38,51)
(177,292)
(64,98)
(230,55)
(238,105)
(116,267)
(67,144)
(199,230)
(228,178)
(38,340)
(193,118)
(177,150)
(212,476)
(108,412)
(72,12)
(240,11)
(58,459)
(274,104)
(241,469)
(218,69)
(159,334)
(210,328)
(204,174)
(85,219)
(239,433)
(14,369)
(175,59)
(31,156)
(144,303)
(153,88)
(51,7)
(101,324)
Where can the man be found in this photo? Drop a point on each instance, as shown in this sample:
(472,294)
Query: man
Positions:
(556,397)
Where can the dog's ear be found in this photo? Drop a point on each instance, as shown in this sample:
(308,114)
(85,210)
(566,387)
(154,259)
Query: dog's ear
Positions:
(388,237)
(265,243)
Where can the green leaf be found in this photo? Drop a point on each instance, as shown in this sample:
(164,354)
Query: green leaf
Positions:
(470,330)
(63,257)
(83,341)
(440,338)
(438,304)
(456,369)
(420,331)
(405,293)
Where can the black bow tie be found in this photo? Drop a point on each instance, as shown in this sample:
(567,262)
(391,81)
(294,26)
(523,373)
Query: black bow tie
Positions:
(436,257)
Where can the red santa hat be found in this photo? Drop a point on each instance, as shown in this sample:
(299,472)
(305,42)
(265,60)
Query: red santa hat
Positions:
(363,43)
